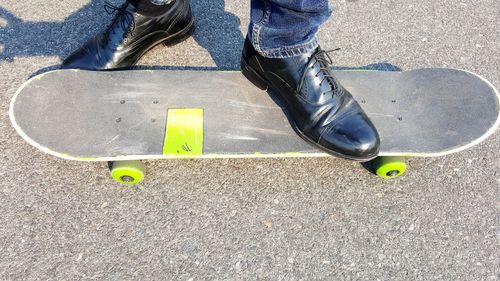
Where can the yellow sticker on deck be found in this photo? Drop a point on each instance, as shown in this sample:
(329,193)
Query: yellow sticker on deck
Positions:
(184,132)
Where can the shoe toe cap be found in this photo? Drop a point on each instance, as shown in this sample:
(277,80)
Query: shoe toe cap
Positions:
(355,137)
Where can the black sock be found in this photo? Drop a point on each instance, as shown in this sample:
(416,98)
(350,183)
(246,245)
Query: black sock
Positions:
(152,7)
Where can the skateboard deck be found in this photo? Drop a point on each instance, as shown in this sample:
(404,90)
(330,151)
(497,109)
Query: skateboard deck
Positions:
(158,114)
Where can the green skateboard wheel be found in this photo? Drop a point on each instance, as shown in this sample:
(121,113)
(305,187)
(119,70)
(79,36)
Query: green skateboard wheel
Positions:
(389,167)
(127,172)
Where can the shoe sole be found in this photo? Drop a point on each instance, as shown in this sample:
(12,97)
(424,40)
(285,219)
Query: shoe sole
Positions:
(256,79)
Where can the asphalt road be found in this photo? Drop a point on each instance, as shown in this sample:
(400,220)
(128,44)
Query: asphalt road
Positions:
(268,219)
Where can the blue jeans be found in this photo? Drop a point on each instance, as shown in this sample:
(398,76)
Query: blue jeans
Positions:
(286,28)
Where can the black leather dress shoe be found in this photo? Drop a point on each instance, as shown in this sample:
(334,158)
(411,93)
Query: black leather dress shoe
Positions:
(323,112)
(131,34)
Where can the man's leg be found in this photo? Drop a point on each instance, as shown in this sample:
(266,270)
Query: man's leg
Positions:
(138,26)
(285,28)
(282,52)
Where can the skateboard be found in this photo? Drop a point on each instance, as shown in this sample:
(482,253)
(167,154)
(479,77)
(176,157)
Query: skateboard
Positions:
(127,116)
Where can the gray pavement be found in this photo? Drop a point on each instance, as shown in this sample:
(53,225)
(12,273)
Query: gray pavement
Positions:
(267,219)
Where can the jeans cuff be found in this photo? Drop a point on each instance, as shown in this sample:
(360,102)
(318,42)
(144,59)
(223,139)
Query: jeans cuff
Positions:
(290,51)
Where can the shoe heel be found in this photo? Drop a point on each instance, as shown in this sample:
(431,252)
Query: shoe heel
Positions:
(253,76)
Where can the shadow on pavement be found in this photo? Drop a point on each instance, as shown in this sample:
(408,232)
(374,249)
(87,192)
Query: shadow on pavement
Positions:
(217,31)
(22,38)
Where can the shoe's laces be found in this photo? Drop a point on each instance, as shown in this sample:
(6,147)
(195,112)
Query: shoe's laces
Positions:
(325,61)
(120,12)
